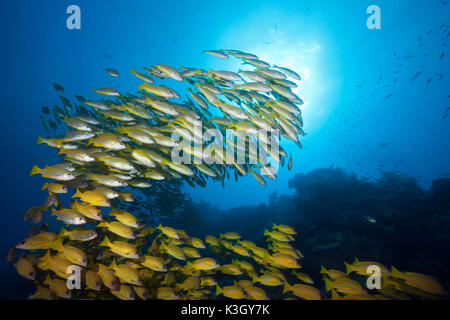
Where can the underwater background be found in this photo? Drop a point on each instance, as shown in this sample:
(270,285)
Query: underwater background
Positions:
(375,117)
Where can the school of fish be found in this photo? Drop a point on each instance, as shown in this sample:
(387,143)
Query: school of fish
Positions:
(124,141)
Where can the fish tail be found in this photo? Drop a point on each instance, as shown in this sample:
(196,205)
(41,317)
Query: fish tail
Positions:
(274,226)
(102,224)
(58,245)
(348,268)
(335,295)
(327,283)
(62,233)
(323,270)
(105,242)
(77,194)
(113,264)
(132,71)
(395,272)
(45,186)
(218,290)
(266,257)
(40,140)
(35,170)
(287,287)
(48,280)
(266,232)
(53,211)
(47,256)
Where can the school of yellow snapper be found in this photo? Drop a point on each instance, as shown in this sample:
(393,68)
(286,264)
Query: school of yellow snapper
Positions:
(125,141)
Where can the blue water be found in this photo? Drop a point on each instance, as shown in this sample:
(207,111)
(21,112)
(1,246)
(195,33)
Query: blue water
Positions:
(347,69)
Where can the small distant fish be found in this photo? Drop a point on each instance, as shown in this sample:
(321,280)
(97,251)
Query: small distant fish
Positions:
(389,95)
(217,53)
(431,30)
(52,124)
(45,110)
(80,98)
(11,255)
(107,56)
(444,116)
(420,39)
(442,56)
(370,219)
(429,80)
(66,103)
(112,72)
(44,124)
(58,87)
(108,92)
(418,73)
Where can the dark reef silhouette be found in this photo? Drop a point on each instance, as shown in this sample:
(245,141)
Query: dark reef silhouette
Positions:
(331,210)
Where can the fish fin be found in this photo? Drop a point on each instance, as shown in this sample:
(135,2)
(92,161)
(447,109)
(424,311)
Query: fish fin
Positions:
(356,261)
(45,186)
(62,233)
(335,295)
(395,272)
(266,232)
(58,244)
(77,194)
(218,290)
(105,242)
(103,224)
(327,283)
(48,280)
(54,211)
(348,268)
(47,256)
(40,140)
(35,170)
(113,264)
(323,270)
(287,287)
